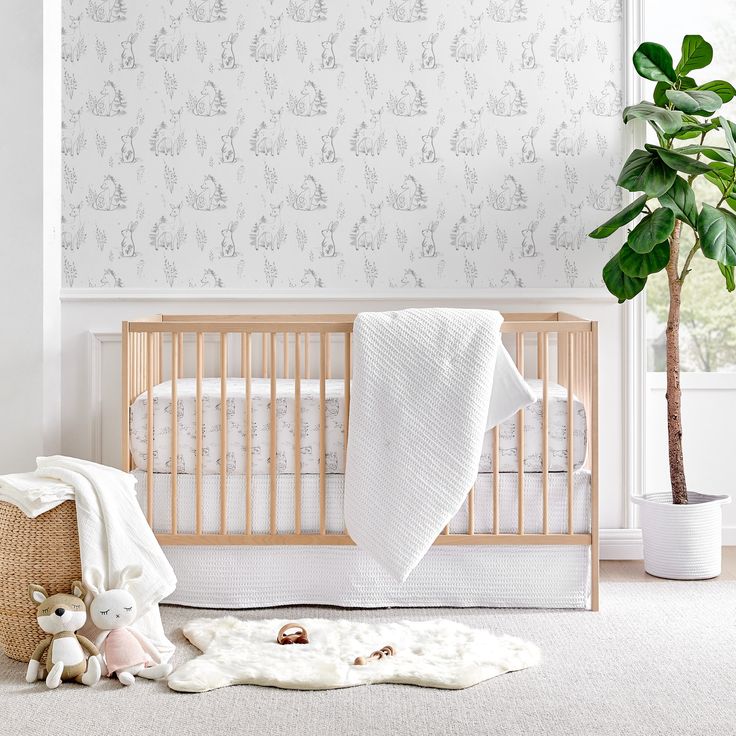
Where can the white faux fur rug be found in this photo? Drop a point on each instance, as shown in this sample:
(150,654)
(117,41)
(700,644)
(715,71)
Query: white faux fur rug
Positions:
(437,653)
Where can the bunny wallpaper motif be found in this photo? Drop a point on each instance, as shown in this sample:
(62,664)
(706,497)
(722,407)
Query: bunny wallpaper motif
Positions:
(346,145)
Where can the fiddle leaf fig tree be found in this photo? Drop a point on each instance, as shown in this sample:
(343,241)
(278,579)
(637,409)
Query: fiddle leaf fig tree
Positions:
(683,116)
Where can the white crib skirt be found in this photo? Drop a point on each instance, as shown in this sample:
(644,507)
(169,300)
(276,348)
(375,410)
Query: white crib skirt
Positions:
(544,576)
(524,576)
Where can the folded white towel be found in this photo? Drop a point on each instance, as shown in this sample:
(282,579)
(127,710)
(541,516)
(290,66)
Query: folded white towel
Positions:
(114,534)
(34,494)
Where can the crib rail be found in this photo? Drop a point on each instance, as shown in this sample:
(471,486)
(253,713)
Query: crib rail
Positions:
(550,347)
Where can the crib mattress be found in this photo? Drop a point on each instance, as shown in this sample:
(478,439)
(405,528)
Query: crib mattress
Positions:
(310,429)
(310,503)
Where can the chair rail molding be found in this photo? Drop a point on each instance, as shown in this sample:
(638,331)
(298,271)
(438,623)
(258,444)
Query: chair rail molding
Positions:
(255,295)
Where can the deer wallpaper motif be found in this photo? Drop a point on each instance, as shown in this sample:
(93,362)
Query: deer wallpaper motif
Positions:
(338,144)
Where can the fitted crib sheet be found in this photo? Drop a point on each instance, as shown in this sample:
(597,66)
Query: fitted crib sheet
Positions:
(310,428)
(334,485)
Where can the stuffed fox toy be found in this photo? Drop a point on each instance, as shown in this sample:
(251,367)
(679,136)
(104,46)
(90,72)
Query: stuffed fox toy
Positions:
(69,656)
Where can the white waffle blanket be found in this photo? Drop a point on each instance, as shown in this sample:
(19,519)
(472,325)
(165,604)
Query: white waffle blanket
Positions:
(423,397)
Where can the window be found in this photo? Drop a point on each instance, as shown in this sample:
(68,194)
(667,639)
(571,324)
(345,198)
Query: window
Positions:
(708,334)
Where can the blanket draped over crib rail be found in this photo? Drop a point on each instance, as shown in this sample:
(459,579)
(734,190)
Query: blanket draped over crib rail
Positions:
(423,397)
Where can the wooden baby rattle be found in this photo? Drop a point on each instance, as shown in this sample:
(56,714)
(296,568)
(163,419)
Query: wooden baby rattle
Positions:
(387,651)
(292,634)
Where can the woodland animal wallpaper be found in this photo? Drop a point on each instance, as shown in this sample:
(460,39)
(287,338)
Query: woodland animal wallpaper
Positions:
(338,144)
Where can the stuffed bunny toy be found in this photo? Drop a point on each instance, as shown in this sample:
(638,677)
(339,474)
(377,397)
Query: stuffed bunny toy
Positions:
(125,651)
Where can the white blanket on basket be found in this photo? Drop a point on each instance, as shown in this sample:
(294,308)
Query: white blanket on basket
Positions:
(427,384)
(32,493)
(114,534)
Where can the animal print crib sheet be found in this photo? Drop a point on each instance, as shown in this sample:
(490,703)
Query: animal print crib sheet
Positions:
(309,428)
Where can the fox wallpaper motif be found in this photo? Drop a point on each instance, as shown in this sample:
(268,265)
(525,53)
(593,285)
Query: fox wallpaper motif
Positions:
(338,144)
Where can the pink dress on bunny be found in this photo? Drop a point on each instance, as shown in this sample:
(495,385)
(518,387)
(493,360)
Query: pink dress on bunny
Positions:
(122,650)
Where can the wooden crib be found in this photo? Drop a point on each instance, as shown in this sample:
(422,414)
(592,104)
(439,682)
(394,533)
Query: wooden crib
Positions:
(546,346)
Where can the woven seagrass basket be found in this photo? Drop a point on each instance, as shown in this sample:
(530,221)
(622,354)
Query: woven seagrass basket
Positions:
(45,551)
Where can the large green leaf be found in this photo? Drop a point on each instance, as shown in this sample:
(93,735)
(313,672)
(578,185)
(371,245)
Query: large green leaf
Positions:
(626,215)
(692,128)
(653,229)
(728,131)
(725,90)
(669,121)
(641,265)
(722,175)
(694,101)
(717,231)
(644,171)
(619,283)
(659,96)
(715,153)
(727,272)
(696,54)
(679,161)
(687,132)
(680,198)
(654,62)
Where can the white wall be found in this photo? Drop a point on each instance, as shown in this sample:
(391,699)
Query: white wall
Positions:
(21,210)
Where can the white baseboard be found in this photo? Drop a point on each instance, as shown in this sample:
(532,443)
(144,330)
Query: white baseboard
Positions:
(625,544)
(621,544)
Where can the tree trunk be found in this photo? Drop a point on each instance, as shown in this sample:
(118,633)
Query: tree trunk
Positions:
(674,393)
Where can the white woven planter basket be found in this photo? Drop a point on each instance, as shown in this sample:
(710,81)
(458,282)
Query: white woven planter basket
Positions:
(681,542)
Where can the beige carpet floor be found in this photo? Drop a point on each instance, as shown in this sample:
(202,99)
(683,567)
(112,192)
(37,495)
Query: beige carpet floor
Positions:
(660,658)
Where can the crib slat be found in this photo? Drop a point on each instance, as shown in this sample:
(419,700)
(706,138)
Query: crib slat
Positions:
(264,355)
(286,355)
(306,356)
(161,361)
(496,480)
(198,431)
(471,510)
(520,439)
(297,435)
(181,355)
(544,351)
(223,432)
(134,364)
(174,429)
(347,376)
(570,419)
(149,458)
(125,413)
(272,474)
(248,370)
(322,420)
(328,354)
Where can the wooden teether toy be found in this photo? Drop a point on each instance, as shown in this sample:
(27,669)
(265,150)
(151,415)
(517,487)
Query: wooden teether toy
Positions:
(387,651)
(292,634)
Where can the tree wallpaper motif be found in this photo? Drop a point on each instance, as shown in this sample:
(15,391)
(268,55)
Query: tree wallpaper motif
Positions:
(338,144)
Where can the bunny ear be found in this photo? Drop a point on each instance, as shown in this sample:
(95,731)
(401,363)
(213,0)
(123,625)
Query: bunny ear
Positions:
(129,575)
(94,581)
